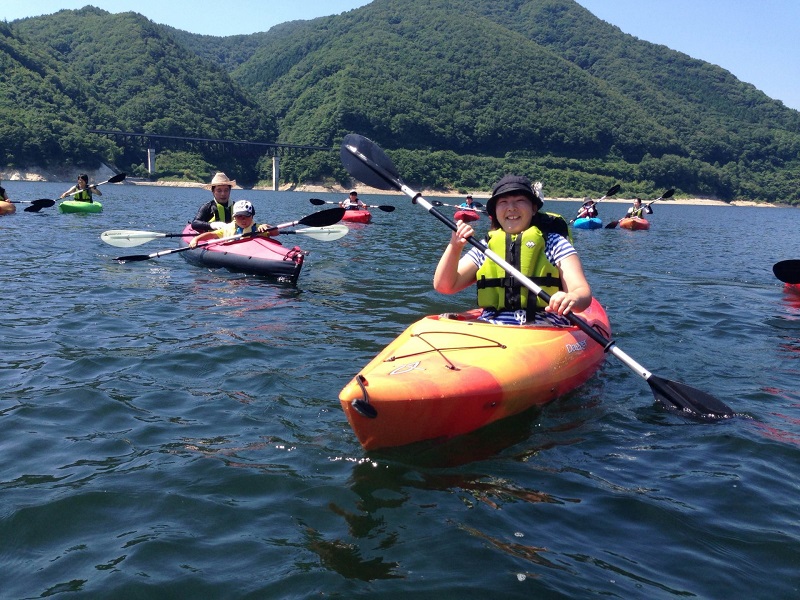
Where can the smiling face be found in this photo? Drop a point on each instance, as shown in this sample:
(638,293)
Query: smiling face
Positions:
(514,212)
(221,193)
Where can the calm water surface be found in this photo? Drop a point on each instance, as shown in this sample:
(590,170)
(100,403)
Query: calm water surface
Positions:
(169,431)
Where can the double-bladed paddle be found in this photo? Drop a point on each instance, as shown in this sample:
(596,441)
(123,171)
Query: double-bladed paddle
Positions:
(788,271)
(665,195)
(323,218)
(113,179)
(35,205)
(611,191)
(128,238)
(476,206)
(368,163)
(383,207)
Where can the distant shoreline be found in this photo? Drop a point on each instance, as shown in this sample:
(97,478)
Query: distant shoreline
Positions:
(105,173)
(318,189)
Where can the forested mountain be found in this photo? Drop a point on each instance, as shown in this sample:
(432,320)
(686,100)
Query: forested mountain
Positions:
(127,73)
(458,92)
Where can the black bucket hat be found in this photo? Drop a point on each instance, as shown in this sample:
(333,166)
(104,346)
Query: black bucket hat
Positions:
(512,183)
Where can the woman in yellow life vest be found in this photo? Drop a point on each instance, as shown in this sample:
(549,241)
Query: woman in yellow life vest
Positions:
(639,211)
(534,242)
(82,191)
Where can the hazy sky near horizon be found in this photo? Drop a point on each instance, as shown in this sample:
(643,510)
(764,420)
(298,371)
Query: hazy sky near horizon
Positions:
(753,39)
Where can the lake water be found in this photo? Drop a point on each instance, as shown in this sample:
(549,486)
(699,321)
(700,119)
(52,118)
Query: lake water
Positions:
(172,432)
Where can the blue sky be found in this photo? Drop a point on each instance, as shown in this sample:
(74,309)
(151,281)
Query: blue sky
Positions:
(753,39)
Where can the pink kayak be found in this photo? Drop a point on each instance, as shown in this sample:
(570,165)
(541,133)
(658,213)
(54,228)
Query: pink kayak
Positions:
(254,256)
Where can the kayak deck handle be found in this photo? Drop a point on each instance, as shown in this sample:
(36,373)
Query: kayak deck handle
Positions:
(362,405)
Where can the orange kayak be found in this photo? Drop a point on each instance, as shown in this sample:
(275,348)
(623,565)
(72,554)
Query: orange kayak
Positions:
(447,376)
(634,223)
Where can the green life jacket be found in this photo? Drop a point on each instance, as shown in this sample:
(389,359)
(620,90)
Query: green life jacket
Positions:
(83,195)
(525,252)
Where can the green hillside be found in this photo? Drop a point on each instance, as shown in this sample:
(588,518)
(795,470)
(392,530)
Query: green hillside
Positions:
(458,92)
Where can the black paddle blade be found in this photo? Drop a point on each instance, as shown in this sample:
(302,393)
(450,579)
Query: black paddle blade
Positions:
(612,224)
(133,258)
(386,207)
(365,161)
(323,218)
(316,201)
(117,178)
(37,205)
(668,193)
(688,401)
(788,271)
(613,190)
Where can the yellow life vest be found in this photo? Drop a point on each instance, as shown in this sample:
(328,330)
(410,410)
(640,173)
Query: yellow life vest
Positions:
(525,252)
(219,213)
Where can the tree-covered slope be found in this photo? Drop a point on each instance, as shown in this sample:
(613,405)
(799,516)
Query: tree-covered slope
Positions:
(459,90)
(41,116)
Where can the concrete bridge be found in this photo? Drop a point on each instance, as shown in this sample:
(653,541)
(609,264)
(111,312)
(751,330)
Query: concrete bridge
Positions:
(154,142)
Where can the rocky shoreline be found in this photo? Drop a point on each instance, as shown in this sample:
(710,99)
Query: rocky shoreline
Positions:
(104,172)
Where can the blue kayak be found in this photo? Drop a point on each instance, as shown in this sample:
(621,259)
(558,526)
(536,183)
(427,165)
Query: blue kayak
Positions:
(588,223)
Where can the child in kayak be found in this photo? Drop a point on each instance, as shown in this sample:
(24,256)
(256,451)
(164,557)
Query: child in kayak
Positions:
(243,222)
(82,191)
(588,210)
(534,242)
(352,202)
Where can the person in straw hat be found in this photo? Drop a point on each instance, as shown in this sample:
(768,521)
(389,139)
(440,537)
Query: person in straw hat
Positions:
(215,213)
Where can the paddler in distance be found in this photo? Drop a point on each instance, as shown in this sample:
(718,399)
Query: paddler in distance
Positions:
(637,210)
(82,191)
(534,242)
(216,212)
(243,222)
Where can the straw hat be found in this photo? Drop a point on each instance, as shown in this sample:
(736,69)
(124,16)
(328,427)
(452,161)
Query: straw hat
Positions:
(220,179)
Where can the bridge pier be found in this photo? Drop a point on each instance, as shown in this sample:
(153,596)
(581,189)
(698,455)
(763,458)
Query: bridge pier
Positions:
(151,161)
(276,172)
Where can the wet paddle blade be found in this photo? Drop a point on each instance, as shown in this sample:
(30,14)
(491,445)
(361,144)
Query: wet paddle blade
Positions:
(37,205)
(788,271)
(124,238)
(377,171)
(117,178)
(688,401)
(318,201)
(385,207)
(325,234)
(612,224)
(323,218)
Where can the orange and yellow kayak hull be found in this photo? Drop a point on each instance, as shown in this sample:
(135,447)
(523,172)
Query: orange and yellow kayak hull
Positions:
(444,377)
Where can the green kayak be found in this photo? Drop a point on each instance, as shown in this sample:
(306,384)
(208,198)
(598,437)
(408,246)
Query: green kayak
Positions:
(77,206)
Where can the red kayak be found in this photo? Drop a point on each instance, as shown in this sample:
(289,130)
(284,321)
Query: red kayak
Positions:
(253,256)
(634,223)
(357,216)
(466,215)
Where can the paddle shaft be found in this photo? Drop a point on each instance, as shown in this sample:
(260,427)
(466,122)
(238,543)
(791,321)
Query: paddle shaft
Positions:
(319,219)
(383,207)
